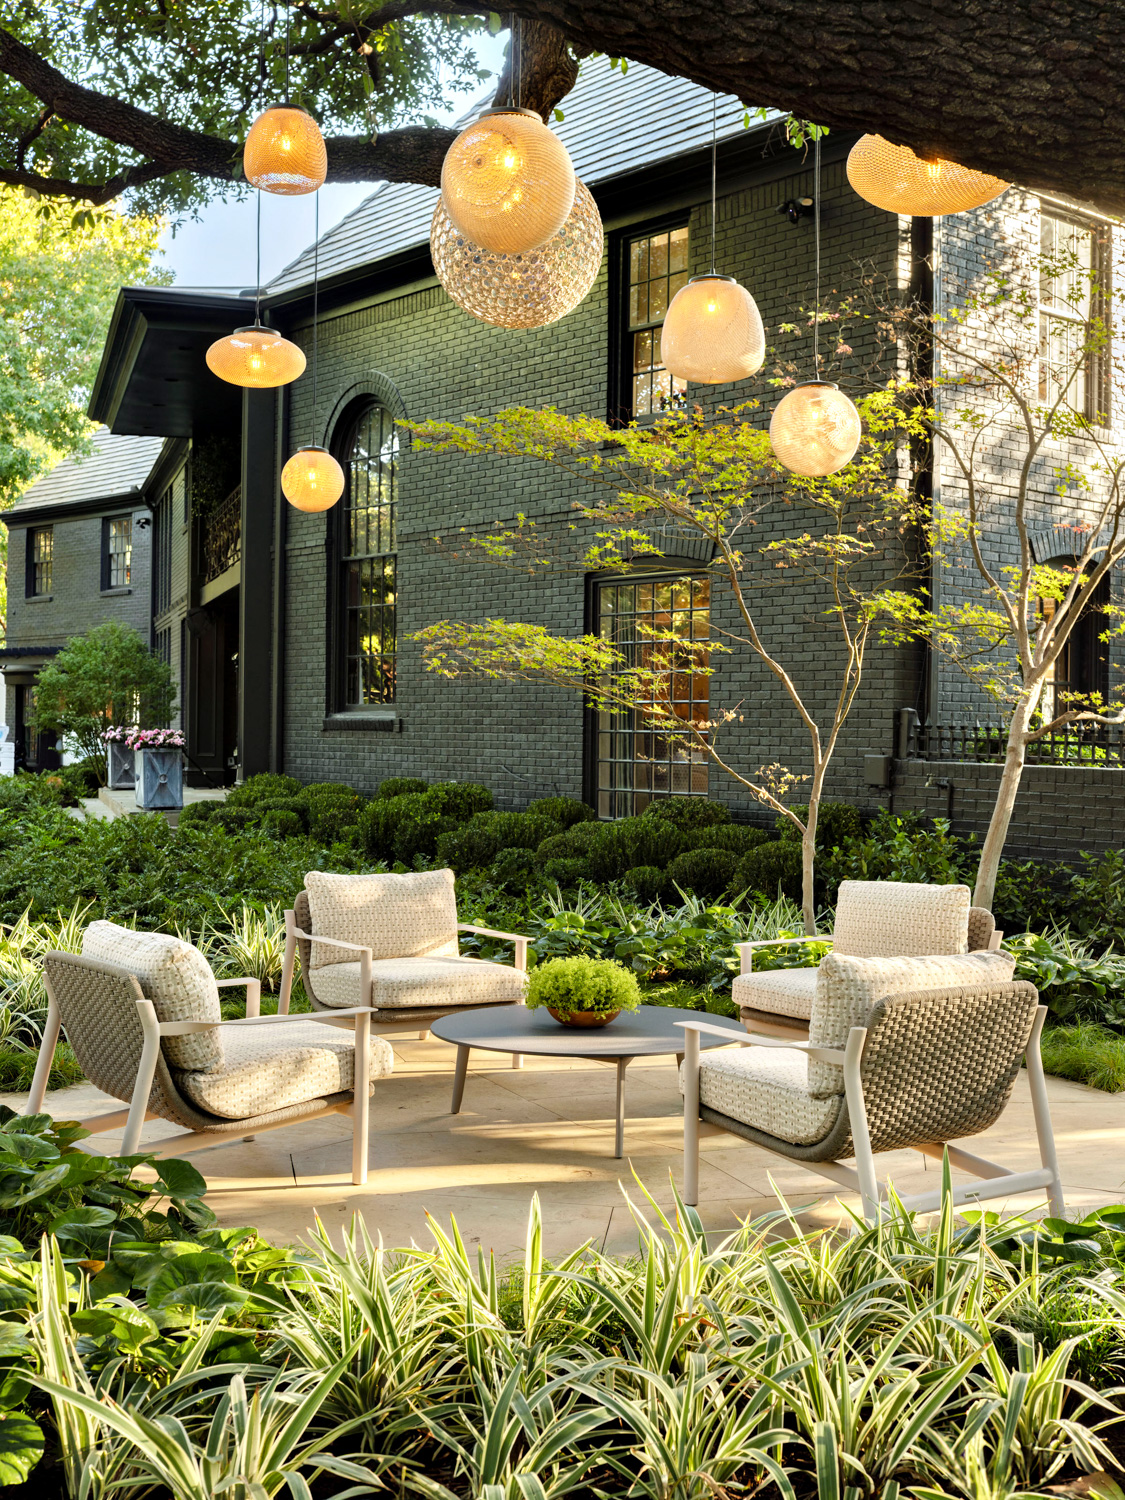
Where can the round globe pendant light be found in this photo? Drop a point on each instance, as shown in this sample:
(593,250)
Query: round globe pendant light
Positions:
(284,152)
(312,480)
(507,182)
(815,429)
(895,178)
(521,291)
(257,357)
(712,332)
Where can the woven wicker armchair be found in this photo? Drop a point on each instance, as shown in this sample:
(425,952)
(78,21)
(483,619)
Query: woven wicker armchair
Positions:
(884,918)
(889,1064)
(256,1074)
(391,942)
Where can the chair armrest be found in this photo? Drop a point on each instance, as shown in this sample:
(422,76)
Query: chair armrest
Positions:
(253,992)
(745,951)
(326,1018)
(318,937)
(517,939)
(753,1039)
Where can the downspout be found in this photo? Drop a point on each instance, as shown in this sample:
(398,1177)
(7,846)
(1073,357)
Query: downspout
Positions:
(277,626)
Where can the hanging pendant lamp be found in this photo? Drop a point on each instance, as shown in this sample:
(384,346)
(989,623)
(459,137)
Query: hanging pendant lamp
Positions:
(312,480)
(815,428)
(712,331)
(521,291)
(895,178)
(257,357)
(285,152)
(507,182)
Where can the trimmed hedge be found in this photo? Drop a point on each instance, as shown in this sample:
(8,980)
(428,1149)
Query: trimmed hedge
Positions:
(769,869)
(646,882)
(836,823)
(564,810)
(703,872)
(688,812)
(401,786)
(267,786)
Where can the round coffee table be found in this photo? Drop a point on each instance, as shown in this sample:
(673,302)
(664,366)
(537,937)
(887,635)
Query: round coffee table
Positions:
(650,1031)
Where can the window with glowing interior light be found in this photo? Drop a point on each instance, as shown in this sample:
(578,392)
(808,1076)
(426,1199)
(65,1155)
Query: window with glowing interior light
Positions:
(655,267)
(368,564)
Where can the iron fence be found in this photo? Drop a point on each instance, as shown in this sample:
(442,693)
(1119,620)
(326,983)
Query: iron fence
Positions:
(220,543)
(1072,745)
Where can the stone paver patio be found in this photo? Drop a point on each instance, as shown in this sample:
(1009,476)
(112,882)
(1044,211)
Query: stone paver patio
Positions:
(549,1128)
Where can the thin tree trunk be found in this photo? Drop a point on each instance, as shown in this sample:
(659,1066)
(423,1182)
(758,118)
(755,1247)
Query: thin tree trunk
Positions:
(1015,759)
(808,854)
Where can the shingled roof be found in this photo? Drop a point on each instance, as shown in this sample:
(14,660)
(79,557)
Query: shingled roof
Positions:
(115,467)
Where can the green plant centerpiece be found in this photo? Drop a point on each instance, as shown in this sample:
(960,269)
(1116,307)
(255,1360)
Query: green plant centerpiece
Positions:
(583,991)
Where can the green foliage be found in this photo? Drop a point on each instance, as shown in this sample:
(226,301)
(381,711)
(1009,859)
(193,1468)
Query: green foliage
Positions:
(647,882)
(233,819)
(1074,982)
(26,790)
(515,869)
(739,838)
(198,812)
(564,810)
(267,786)
(688,812)
(566,872)
(770,869)
(836,823)
(418,822)
(282,822)
(1030,895)
(458,799)
(583,984)
(17,1068)
(333,810)
(1088,1054)
(104,679)
(478,842)
(83,779)
(902,846)
(1095,901)
(401,786)
(704,872)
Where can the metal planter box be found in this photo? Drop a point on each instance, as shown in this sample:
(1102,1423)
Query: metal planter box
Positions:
(160,779)
(121,774)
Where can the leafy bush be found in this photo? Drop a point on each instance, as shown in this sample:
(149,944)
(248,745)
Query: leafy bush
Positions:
(25,789)
(333,810)
(739,838)
(558,846)
(583,984)
(267,786)
(771,868)
(199,812)
(1088,1054)
(1095,901)
(1074,982)
(706,872)
(565,871)
(415,823)
(514,869)
(459,799)
(836,823)
(613,848)
(647,882)
(477,843)
(401,786)
(285,804)
(282,822)
(377,824)
(83,779)
(233,819)
(1030,896)
(901,846)
(564,810)
(688,812)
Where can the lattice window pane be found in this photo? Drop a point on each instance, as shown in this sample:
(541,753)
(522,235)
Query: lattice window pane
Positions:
(657,271)
(119,552)
(369,588)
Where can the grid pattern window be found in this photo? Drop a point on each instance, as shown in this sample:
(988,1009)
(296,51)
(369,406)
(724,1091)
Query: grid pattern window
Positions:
(635,764)
(369,563)
(657,268)
(117,559)
(1073,290)
(162,519)
(162,644)
(40,559)
(1082,666)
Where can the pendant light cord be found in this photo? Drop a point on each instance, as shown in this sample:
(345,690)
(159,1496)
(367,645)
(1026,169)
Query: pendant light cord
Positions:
(511,59)
(714,172)
(316,306)
(258,270)
(287,18)
(816,224)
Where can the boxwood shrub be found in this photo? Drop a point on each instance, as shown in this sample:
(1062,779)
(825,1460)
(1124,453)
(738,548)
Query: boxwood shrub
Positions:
(401,786)
(459,799)
(770,868)
(565,871)
(267,786)
(564,810)
(836,823)
(515,869)
(647,882)
(688,812)
(703,872)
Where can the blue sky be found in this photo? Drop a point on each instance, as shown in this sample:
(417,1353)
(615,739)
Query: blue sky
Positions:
(218,249)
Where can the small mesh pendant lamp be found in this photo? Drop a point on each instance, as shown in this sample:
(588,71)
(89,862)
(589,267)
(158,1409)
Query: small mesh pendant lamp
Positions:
(895,178)
(312,480)
(815,428)
(507,182)
(285,152)
(712,331)
(521,291)
(257,357)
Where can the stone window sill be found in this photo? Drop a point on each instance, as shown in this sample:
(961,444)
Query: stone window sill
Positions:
(387,723)
(38,598)
(123,588)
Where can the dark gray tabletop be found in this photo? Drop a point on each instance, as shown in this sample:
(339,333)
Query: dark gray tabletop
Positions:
(650,1031)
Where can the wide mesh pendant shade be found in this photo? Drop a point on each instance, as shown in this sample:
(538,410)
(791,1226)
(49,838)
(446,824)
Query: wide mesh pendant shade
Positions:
(507,182)
(312,480)
(257,357)
(712,332)
(815,429)
(284,152)
(521,291)
(894,178)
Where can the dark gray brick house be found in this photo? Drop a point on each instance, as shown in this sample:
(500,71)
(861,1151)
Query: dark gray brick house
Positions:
(290,633)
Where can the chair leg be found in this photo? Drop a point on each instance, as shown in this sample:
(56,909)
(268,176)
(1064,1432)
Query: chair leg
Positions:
(146,1069)
(1041,1110)
(517,1059)
(288,964)
(691,1118)
(857,1115)
(424,1036)
(361,1099)
(51,1029)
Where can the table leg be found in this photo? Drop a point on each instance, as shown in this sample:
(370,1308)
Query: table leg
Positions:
(517,1059)
(459,1071)
(619,1148)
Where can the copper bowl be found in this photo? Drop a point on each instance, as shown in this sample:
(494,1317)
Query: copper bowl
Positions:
(582,1018)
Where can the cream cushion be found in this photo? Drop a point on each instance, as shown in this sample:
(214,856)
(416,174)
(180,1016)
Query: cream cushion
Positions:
(781,992)
(396,916)
(847,988)
(274,1067)
(421,983)
(175,977)
(767,1088)
(899,919)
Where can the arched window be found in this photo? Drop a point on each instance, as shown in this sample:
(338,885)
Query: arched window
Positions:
(368,584)
(1082,665)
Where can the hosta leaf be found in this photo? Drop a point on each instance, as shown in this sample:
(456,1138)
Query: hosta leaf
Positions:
(181,1179)
(21,1447)
(204,1296)
(76,1222)
(36,1187)
(187,1270)
(28,1147)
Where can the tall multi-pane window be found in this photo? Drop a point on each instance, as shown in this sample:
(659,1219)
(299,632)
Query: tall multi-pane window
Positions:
(1082,666)
(162,553)
(656,267)
(636,762)
(40,556)
(368,591)
(117,560)
(1074,267)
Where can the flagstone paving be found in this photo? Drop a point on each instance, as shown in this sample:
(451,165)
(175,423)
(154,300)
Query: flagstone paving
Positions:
(548,1128)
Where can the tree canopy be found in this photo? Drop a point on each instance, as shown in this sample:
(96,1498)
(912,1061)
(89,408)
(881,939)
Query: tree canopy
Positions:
(99,97)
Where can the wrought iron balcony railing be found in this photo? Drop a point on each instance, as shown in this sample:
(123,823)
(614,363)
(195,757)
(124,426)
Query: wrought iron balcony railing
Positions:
(220,537)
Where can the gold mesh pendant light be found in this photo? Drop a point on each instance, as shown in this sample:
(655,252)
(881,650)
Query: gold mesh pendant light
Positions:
(507,182)
(284,152)
(712,332)
(257,357)
(815,429)
(894,178)
(312,480)
(521,291)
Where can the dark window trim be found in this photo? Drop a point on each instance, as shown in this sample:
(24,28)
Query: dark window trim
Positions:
(30,591)
(107,521)
(1099,371)
(619,385)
